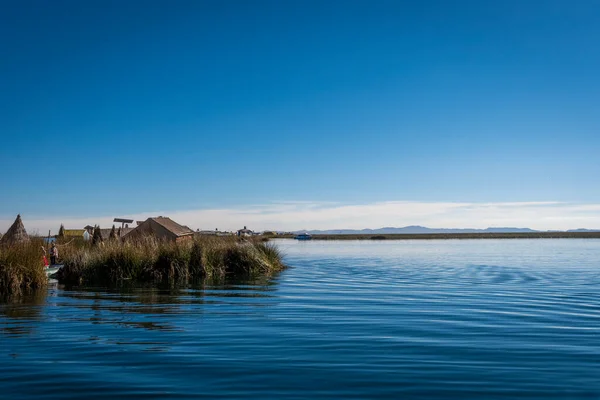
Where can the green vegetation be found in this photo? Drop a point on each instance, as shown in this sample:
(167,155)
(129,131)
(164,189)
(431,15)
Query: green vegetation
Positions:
(143,261)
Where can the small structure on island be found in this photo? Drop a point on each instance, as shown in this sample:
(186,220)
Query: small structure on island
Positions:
(206,232)
(216,232)
(89,233)
(74,233)
(106,233)
(124,222)
(245,232)
(119,233)
(16,233)
(162,228)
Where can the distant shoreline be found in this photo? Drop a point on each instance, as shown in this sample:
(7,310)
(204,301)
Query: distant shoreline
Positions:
(431,236)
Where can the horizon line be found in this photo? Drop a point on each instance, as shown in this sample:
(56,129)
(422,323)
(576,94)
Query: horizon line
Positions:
(295,216)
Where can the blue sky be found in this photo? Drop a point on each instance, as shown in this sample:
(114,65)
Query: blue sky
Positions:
(124,108)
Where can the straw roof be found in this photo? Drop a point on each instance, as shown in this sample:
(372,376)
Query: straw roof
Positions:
(172,226)
(160,227)
(16,233)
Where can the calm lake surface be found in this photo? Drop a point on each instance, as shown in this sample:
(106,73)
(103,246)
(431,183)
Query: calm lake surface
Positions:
(424,319)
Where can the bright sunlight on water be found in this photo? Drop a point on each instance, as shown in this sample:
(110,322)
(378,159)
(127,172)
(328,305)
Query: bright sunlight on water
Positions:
(424,319)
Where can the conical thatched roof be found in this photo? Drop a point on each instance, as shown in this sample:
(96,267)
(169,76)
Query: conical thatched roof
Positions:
(16,233)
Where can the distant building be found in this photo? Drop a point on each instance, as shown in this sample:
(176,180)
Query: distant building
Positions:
(87,233)
(162,228)
(105,233)
(245,232)
(123,221)
(74,233)
(206,233)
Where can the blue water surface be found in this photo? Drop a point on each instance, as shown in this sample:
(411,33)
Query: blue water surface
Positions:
(424,319)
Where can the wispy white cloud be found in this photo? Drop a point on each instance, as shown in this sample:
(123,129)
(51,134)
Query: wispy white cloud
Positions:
(292,215)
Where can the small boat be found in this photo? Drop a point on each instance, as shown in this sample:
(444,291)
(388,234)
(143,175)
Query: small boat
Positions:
(303,236)
(51,270)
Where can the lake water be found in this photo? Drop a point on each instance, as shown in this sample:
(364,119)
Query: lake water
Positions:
(434,319)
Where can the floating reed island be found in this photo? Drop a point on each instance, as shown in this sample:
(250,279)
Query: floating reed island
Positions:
(147,259)
(140,258)
(157,250)
(143,260)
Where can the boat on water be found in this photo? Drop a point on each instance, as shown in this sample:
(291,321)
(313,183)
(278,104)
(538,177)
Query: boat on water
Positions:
(303,236)
(51,270)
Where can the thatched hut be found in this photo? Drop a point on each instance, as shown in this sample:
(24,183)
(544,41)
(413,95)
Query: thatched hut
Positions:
(16,233)
(106,234)
(162,228)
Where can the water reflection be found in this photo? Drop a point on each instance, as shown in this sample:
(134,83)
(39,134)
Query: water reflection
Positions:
(18,312)
(131,306)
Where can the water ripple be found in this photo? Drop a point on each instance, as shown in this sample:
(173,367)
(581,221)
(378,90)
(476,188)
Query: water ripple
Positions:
(409,319)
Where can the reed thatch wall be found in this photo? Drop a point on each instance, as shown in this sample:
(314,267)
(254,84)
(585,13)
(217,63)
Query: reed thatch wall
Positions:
(16,233)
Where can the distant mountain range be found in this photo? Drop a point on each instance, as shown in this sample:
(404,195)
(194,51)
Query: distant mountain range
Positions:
(415,229)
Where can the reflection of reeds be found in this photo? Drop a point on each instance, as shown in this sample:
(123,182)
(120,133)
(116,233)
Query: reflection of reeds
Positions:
(21,267)
(150,260)
(19,310)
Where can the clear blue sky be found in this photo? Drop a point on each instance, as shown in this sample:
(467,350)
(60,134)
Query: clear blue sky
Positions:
(116,107)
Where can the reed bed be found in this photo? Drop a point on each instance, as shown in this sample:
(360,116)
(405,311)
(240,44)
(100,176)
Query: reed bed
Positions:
(146,260)
(151,260)
(21,267)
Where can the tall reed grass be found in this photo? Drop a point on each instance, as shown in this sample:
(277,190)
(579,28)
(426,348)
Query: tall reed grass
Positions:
(143,261)
(21,267)
(149,260)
